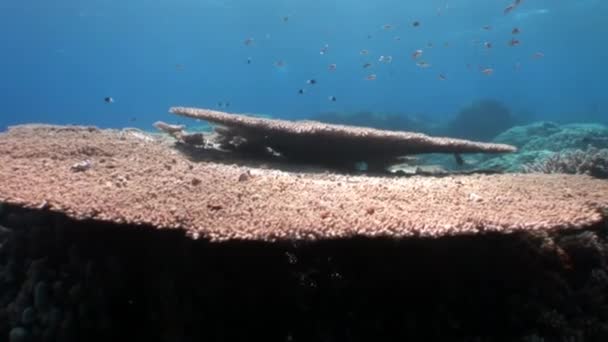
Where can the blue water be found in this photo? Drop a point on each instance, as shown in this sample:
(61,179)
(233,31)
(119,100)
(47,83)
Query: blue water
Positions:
(61,58)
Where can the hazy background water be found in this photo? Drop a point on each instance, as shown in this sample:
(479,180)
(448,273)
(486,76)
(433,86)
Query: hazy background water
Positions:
(61,58)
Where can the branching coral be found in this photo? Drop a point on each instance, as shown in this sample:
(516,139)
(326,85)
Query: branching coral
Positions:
(592,161)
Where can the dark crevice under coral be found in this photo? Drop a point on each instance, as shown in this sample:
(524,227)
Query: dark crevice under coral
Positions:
(65,280)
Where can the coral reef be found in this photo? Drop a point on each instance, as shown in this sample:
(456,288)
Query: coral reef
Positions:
(141,181)
(66,280)
(539,141)
(312,141)
(591,161)
(481,120)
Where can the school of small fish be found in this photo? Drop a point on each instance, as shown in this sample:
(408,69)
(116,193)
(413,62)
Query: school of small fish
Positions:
(416,55)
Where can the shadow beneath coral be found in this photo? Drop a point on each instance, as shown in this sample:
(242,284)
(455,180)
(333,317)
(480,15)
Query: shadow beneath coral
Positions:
(104,281)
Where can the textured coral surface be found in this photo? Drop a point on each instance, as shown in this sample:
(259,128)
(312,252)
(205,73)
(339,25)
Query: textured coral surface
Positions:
(67,280)
(128,177)
(314,141)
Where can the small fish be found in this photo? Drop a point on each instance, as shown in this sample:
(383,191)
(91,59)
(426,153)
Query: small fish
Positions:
(108,99)
(332,98)
(311,81)
(285,18)
(279,64)
(387,26)
(371,77)
(363,52)
(415,23)
(442,77)
(367,65)
(385,59)
(227,104)
(249,41)
(416,54)
(332,67)
(538,55)
(488,71)
(248,60)
(446,44)
(488,45)
(397,38)
(487,27)
(513,42)
(179,66)
(423,64)
(429,45)
(324,49)
(300,91)
(369,36)
(515,31)
(509,8)
(220,104)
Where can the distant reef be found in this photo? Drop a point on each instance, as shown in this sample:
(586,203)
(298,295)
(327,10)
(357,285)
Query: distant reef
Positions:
(577,148)
(480,120)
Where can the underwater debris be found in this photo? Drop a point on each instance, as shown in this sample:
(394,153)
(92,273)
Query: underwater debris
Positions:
(178,132)
(168,128)
(81,166)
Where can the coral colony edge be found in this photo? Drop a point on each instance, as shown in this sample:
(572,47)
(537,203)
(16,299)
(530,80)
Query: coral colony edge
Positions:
(298,231)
